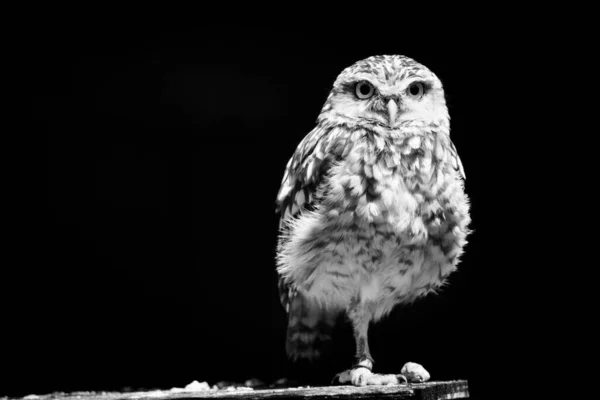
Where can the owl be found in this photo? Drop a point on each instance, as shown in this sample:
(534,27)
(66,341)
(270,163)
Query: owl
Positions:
(373,210)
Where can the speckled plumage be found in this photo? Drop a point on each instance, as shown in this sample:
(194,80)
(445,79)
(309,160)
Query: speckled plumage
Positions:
(373,210)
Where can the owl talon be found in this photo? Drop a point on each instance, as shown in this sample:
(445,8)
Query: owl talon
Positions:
(336,379)
(404,378)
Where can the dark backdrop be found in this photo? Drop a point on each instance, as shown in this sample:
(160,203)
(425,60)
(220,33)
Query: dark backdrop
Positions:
(146,258)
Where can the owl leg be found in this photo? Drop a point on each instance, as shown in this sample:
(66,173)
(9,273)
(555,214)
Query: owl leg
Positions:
(360,374)
(360,318)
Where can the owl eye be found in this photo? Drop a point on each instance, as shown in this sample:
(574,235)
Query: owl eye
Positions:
(364,90)
(415,90)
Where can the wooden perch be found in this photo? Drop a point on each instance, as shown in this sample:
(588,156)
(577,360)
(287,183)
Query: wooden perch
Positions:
(422,391)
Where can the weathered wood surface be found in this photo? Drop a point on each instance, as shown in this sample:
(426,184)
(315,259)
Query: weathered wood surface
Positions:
(422,391)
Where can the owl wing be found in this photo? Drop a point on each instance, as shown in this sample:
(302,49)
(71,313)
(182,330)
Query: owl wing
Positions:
(444,150)
(306,170)
(309,324)
(456,163)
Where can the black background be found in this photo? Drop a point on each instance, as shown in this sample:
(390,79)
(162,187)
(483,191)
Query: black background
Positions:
(155,151)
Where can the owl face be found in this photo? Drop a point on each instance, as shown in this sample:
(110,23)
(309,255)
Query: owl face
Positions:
(388,90)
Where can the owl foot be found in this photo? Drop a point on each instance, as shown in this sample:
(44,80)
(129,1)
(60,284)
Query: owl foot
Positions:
(362,376)
(414,372)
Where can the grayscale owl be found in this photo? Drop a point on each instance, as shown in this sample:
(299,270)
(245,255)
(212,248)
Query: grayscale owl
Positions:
(373,209)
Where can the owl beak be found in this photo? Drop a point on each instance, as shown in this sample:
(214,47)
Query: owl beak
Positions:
(392,112)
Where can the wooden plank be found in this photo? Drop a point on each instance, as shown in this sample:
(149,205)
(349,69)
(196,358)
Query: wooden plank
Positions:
(421,391)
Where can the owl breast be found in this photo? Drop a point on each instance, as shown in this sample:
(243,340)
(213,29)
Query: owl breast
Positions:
(386,228)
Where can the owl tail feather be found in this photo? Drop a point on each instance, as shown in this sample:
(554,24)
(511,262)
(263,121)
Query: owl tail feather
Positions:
(310,329)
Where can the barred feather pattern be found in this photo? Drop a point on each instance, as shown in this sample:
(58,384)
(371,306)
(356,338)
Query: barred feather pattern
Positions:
(310,328)
(368,211)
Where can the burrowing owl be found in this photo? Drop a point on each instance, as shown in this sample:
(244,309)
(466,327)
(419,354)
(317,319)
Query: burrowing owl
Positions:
(373,209)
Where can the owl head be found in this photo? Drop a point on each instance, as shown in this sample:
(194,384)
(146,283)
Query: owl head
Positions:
(387,90)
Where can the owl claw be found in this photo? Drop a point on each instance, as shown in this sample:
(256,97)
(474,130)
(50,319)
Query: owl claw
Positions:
(403,377)
(336,378)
